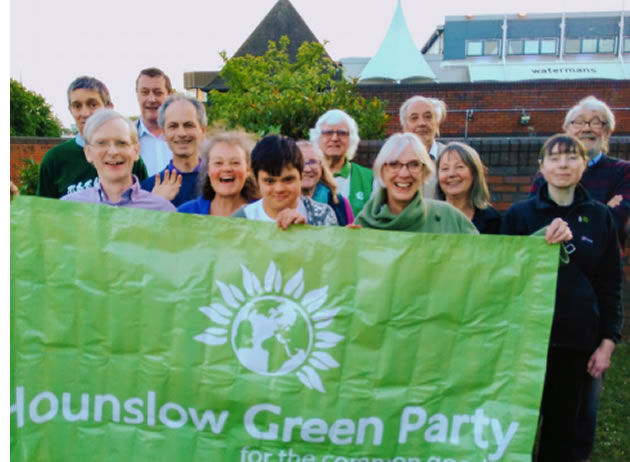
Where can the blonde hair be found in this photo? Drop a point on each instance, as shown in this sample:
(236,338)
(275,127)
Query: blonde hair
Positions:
(327,178)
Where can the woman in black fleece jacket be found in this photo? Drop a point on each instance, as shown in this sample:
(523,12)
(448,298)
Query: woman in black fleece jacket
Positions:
(588,314)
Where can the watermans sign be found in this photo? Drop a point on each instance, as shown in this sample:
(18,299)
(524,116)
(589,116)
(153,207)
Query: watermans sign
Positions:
(140,335)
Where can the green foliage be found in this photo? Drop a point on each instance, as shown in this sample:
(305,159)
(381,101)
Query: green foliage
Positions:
(29,174)
(270,94)
(30,114)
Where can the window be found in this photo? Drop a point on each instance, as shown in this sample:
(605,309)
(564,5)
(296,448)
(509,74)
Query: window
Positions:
(488,47)
(473,48)
(548,47)
(515,47)
(591,45)
(626,45)
(544,46)
(531,47)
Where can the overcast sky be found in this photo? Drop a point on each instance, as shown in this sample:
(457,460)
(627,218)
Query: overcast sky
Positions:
(52,42)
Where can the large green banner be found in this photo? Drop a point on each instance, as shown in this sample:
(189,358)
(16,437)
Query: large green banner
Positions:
(147,336)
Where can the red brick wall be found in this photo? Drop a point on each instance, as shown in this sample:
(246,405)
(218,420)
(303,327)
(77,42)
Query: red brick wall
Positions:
(496,107)
(28,148)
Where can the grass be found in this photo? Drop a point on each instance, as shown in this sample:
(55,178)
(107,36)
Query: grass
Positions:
(612,442)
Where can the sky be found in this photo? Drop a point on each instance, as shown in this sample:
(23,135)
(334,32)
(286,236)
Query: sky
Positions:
(52,42)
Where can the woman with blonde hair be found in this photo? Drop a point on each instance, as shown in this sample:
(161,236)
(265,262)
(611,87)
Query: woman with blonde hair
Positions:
(462,183)
(318,183)
(226,182)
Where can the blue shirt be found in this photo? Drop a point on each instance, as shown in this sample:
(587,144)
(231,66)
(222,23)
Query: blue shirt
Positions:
(134,197)
(154,150)
(188,189)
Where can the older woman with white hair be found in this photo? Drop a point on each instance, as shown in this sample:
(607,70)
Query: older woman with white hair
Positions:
(337,135)
(401,168)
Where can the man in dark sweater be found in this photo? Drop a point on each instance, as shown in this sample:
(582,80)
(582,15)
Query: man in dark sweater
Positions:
(184,122)
(607,180)
(65,169)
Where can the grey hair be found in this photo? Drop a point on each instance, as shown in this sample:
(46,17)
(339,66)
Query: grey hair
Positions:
(334,117)
(91,83)
(202,117)
(437,105)
(393,148)
(478,195)
(593,104)
(101,117)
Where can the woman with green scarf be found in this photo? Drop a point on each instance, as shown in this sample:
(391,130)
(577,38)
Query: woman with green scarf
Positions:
(401,168)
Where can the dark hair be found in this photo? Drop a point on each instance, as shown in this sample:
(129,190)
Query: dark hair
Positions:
(565,143)
(90,83)
(237,138)
(275,152)
(155,72)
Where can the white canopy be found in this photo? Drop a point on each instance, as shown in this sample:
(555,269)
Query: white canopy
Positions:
(398,59)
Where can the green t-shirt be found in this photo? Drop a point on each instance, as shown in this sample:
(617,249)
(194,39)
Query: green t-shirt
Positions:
(65,170)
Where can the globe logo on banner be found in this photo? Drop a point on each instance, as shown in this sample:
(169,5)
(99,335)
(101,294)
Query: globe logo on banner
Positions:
(274,329)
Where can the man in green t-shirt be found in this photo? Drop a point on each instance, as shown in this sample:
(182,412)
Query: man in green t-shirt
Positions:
(65,169)
(337,135)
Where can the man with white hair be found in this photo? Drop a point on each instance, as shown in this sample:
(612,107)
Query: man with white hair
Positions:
(422,116)
(337,135)
(111,145)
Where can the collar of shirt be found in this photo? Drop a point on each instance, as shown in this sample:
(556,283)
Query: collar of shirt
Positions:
(125,198)
(433,152)
(143,130)
(172,167)
(79,140)
(345,170)
(596,159)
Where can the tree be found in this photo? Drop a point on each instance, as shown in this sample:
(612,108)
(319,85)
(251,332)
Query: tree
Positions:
(31,114)
(270,94)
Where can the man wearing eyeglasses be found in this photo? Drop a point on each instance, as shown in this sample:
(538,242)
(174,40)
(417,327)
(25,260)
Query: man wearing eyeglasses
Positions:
(112,148)
(64,168)
(607,180)
(337,135)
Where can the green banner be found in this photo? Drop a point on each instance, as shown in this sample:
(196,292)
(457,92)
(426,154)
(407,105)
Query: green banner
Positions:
(140,335)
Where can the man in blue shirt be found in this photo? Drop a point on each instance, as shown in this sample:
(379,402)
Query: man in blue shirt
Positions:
(184,122)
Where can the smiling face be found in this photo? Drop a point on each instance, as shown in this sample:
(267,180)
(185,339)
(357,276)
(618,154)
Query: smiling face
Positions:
(562,169)
(182,130)
(402,178)
(421,120)
(279,192)
(335,140)
(83,103)
(454,175)
(312,169)
(151,93)
(227,169)
(112,152)
(594,138)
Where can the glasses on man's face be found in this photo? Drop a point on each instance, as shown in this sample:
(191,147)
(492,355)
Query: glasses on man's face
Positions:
(105,144)
(595,122)
(311,164)
(413,166)
(339,133)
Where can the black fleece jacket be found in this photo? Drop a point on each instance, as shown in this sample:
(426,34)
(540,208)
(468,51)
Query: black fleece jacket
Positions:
(588,294)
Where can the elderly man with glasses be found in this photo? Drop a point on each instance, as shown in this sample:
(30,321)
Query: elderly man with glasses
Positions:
(337,135)
(111,146)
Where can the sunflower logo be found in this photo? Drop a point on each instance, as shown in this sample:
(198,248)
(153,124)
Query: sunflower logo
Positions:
(274,329)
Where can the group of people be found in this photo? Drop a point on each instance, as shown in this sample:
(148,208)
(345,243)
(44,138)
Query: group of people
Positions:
(580,198)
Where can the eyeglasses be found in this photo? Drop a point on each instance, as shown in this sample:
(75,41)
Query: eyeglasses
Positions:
(339,133)
(595,122)
(312,163)
(413,166)
(105,144)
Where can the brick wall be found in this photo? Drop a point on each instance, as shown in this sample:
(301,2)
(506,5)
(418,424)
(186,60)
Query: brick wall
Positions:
(28,148)
(494,109)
